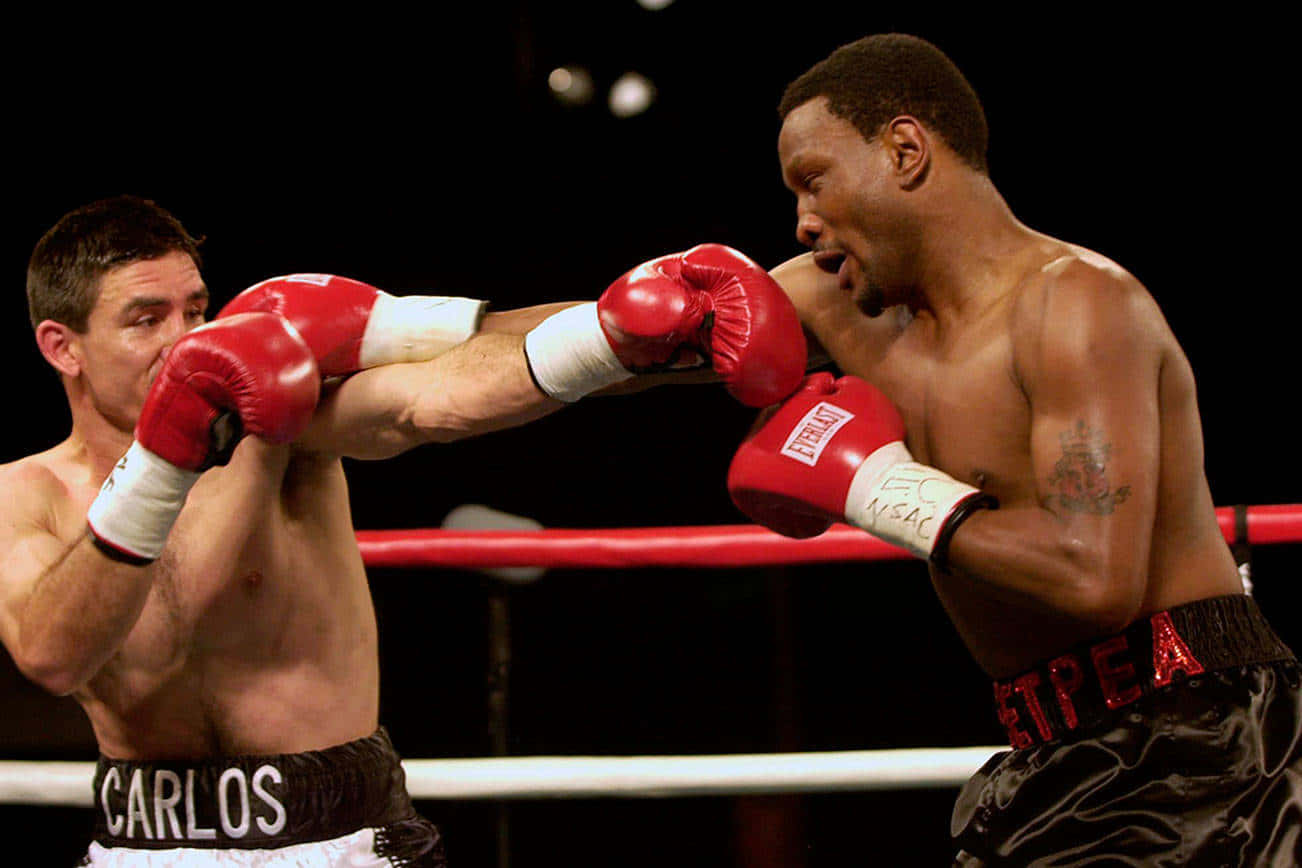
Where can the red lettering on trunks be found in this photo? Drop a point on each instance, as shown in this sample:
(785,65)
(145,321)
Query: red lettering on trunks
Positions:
(1008,717)
(1025,685)
(1112,675)
(1066,675)
(1170,653)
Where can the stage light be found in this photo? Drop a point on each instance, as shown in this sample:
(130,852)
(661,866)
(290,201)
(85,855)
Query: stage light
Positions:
(571,85)
(631,94)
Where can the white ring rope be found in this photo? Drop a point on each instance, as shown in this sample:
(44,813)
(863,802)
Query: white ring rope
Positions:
(69,783)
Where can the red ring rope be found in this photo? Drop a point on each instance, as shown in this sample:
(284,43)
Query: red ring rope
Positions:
(709,546)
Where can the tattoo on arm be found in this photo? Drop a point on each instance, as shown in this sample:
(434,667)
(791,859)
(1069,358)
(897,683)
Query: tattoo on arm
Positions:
(1080,477)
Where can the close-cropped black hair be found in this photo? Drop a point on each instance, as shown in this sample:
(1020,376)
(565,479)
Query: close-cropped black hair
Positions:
(877,78)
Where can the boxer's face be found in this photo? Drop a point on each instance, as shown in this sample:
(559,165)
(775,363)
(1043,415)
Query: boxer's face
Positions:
(142,308)
(845,208)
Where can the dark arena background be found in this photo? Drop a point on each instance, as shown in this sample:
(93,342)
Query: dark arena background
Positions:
(426,152)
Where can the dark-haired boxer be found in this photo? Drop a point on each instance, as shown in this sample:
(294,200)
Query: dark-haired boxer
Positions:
(1021,416)
(184,563)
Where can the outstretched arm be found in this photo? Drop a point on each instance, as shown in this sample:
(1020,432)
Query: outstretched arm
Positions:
(478,386)
(815,297)
(709,302)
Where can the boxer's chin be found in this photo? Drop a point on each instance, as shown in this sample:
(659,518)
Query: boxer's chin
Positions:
(870,301)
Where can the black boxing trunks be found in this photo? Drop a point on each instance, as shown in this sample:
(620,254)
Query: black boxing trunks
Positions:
(345,805)
(1175,742)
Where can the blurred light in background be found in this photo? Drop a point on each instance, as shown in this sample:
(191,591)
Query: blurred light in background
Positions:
(571,85)
(654,5)
(631,94)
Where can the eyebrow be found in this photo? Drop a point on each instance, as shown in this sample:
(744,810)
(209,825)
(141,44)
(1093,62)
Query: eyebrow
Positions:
(791,175)
(794,163)
(145,301)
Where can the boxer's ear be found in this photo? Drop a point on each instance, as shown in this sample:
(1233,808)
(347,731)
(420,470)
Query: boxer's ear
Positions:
(60,345)
(910,148)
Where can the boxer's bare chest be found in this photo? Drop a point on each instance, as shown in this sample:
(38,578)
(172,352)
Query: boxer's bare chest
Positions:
(210,594)
(966,412)
(225,556)
(239,608)
(963,406)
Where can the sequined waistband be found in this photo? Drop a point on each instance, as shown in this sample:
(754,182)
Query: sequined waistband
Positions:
(1081,688)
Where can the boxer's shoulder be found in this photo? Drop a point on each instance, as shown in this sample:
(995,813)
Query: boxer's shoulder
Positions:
(1073,281)
(813,291)
(41,488)
(1079,299)
(41,470)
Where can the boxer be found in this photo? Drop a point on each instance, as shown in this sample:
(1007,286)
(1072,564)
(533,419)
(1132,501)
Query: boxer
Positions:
(1018,414)
(184,562)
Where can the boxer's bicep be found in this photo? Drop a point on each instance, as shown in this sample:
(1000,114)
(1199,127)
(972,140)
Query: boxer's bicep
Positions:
(479,386)
(1095,434)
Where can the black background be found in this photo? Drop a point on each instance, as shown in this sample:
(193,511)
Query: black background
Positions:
(421,151)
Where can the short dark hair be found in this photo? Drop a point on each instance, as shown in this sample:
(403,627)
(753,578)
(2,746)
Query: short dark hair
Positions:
(878,78)
(68,262)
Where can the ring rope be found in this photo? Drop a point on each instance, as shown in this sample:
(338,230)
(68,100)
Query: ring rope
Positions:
(538,777)
(709,546)
(68,783)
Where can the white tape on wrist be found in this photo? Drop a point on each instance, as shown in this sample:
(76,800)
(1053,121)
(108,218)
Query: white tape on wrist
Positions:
(138,503)
(901,501)
(570,356)
(416,328)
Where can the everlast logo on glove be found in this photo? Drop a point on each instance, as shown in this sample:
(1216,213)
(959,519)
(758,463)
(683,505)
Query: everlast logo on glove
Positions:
(814,431)
(834,451)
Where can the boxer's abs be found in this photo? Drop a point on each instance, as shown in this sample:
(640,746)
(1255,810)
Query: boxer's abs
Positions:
(284,681)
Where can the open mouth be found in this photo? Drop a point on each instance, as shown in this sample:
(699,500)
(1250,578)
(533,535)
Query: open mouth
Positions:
(835,262)
(829,260)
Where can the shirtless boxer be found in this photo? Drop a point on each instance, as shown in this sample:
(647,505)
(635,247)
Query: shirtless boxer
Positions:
(1020,415)
(184,563)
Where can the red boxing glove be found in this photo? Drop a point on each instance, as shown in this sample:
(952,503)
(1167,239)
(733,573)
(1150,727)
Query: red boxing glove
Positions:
(247,374)
(710,302)
(351,325)
(834,451)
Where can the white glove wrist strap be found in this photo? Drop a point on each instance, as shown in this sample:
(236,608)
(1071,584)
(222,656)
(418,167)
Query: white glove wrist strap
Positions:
(901,501)
(416,328)
(570,356)
(138,503)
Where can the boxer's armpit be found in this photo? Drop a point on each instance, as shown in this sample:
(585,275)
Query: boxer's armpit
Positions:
(1081,481)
